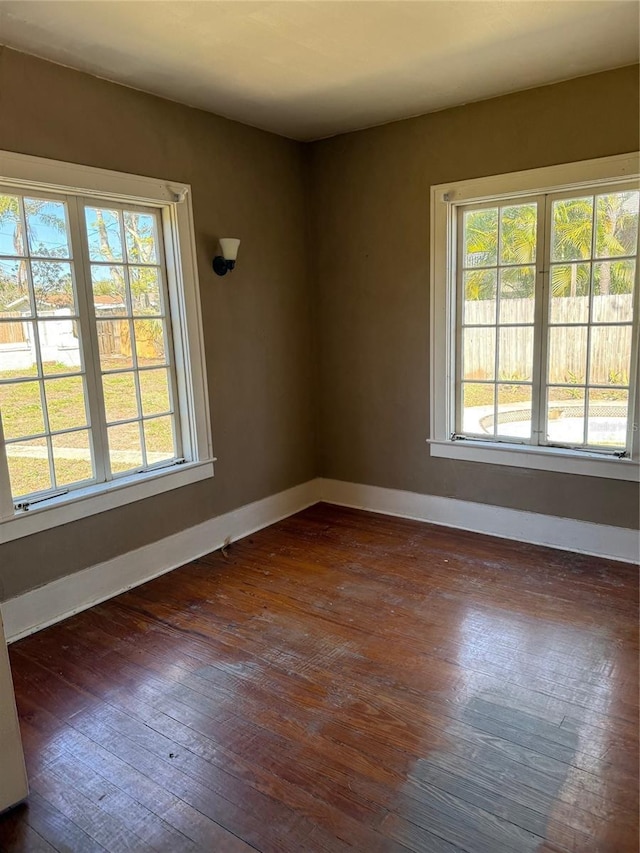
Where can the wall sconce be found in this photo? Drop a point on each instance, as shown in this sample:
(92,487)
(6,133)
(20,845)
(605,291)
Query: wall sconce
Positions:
(227,260)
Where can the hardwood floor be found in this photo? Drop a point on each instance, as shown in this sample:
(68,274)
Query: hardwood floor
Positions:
(340,681)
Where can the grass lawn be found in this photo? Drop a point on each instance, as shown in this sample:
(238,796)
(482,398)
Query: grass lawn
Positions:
(21,408)
(482,395)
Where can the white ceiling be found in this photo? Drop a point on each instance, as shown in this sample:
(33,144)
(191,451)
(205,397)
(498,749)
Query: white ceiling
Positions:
(313,68)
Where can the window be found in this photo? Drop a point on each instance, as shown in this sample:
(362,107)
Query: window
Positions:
(535,285)
(102,388)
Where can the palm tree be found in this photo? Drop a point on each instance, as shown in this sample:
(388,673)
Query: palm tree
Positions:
(616,225)
(616,220)
(516,244)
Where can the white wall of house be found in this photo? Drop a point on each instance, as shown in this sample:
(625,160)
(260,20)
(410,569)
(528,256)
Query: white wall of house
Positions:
(58,343)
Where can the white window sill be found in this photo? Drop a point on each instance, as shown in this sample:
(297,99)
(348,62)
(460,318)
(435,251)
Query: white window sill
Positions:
(538,458)
(100,498)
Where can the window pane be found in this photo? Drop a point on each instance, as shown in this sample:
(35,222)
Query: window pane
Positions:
(572,227)
(480,297)
(515,360)
(53,287)
(47,228)
(607,424)
(14,289)
(114,344)
(140,231)
(120,399)
(613,291)
(145,290)
(518,227)
(72,458)
(18,356)
(159,440)
(154,391)
(21,408)
(150,348)
(125,450)
(570,285)
(479,353)
(477,408)
(66,402)
(11,231)
(109,290)
(16,359)
(480,228)
(616,224)
(565,415)
(29,467)
(610,355)
(514,411)
(42,381)
(567,355)
(59,346)
(103,234)
(517,294)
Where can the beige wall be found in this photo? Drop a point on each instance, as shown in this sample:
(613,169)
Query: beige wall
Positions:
(246,183)
(370,197)
(311,374)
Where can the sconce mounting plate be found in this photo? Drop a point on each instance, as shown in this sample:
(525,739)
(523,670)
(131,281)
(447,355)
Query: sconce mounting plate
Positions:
(221,266)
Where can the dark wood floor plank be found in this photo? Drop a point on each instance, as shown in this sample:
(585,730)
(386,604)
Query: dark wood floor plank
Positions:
(55,827)
(556,707)
(106,766)
(340,681)
(546,765)
(111,832)
(553,741)
(122,733)
(542,765)
(19,836)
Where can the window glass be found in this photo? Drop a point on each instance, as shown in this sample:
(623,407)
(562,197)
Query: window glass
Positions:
(499,297)
(55,420)
(133,334)
(557,373)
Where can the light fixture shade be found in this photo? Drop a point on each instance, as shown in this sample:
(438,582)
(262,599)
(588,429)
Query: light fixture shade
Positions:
(229,248)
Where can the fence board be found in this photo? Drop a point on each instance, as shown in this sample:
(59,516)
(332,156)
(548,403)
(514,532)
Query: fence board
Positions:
(610,348)
(12,332)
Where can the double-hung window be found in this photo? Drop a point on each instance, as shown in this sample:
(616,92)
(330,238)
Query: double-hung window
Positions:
(101,378)
(535,319)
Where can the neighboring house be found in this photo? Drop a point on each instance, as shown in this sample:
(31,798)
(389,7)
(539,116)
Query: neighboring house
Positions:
(58,332)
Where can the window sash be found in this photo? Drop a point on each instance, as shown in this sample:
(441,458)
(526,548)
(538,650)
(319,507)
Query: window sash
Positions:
(459,314)
(130,316)
(90,368)
(541,325)
(37,323)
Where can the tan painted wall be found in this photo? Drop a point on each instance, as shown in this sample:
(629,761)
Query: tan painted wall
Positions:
(246,183)
(370,197)
(311,374)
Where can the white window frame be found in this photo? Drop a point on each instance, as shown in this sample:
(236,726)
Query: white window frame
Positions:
(173,200)
(444,198)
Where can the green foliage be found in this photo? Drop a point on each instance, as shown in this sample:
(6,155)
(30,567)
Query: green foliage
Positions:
(518,232)
(618,377)
(574,379)
(508,235)
(572,229)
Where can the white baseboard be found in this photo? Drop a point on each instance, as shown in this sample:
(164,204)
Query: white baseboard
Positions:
(567,534)
(27,613)
(48,604)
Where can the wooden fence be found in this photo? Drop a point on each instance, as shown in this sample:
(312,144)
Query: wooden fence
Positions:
(610,345)
(114,338)
(12,333)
